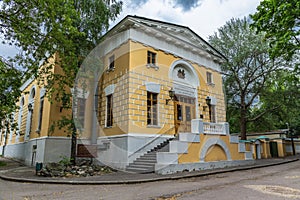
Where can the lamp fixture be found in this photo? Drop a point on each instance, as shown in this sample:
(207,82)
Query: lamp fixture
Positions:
(208,101)
(172,96)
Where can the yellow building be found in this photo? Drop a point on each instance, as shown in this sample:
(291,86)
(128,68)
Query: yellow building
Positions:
(32,141)
(154,101)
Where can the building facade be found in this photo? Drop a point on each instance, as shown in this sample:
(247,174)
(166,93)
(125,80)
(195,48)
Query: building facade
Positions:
(157,83)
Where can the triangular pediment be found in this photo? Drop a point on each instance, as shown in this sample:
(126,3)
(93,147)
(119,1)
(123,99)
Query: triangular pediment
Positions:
(174,39)
(178,32)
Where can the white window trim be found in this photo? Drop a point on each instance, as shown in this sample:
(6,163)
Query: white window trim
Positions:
(158,113)
(212,83)
(40,114)
(29,116)
(106,103)
(213,102)
(20,117)
(110,89)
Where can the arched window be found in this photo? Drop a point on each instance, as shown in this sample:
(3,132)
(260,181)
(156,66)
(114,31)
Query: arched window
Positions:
(41,109)
(30,108)
(32,93)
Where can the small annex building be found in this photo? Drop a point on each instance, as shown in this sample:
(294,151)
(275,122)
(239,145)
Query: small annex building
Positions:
(272,144)
(156,104)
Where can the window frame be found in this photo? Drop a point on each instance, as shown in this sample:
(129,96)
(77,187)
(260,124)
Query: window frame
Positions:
(81,104)
(111,63)
(151,58)
(213,114)
(109,111)
(41,109)
(209,78)
(152,109)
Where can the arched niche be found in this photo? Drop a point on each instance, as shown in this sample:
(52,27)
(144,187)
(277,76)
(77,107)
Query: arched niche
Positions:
(211,142)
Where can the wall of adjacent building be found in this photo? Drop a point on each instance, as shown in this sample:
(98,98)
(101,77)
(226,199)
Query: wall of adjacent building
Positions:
(29,143)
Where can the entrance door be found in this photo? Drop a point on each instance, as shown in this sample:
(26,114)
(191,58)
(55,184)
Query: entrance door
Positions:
(184,113)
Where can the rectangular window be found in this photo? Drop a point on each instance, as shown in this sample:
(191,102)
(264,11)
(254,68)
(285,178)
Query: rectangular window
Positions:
(209,78)
(81,111)
(41,114)
(152,109)
(179,112)
(151,58)
(213,118)
(109,110)
(111,62)
(188,116)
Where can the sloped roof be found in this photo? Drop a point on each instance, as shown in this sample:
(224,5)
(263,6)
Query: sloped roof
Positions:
(179,32)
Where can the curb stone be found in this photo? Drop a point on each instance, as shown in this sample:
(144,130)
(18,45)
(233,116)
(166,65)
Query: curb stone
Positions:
(141,180)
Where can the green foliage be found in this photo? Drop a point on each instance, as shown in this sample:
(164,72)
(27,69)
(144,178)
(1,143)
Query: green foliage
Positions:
(281,91)
(65,161)
(69,29)
(246,71)
(2,163)
(280,20)
(10,81)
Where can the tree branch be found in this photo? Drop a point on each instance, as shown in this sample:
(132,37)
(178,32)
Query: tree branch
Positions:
(261,114)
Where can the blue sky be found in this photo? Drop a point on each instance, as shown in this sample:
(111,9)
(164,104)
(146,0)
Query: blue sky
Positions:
(203,16)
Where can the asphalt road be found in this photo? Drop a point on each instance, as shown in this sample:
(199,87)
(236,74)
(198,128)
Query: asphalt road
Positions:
(276,182)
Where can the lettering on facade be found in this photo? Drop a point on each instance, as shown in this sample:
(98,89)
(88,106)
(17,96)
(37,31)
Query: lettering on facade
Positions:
(184,90)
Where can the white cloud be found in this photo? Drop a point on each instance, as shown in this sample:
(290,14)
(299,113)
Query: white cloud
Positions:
(204,19)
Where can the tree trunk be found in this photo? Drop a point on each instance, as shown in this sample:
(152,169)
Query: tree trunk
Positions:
(243,124)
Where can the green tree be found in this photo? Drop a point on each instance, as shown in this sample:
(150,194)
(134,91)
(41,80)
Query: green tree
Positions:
(246,71)
(280,20)
(10,82)
(281,91)
(69,29)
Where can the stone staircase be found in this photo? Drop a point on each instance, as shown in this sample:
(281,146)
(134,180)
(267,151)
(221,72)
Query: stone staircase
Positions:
(146,162)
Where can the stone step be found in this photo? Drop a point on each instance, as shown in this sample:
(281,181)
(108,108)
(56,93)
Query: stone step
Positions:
(139,165)
(151,153)
(146,158)
(149,156)
(146,163)
(140,170)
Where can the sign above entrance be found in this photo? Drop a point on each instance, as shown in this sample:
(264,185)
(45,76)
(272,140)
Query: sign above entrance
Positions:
(184,90)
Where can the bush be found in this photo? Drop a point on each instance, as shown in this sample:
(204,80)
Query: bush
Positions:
(2,163)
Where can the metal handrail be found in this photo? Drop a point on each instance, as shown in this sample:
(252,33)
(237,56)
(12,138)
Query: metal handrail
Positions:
(147,144)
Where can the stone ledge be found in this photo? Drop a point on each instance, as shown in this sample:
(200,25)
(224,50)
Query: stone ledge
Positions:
(179,146)
(174,168)
(166,158)
(189,137)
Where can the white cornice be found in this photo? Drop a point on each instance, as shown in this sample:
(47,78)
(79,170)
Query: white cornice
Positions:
(162,37)
(137,135)
(176,47)
(27,83)
(177,31)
